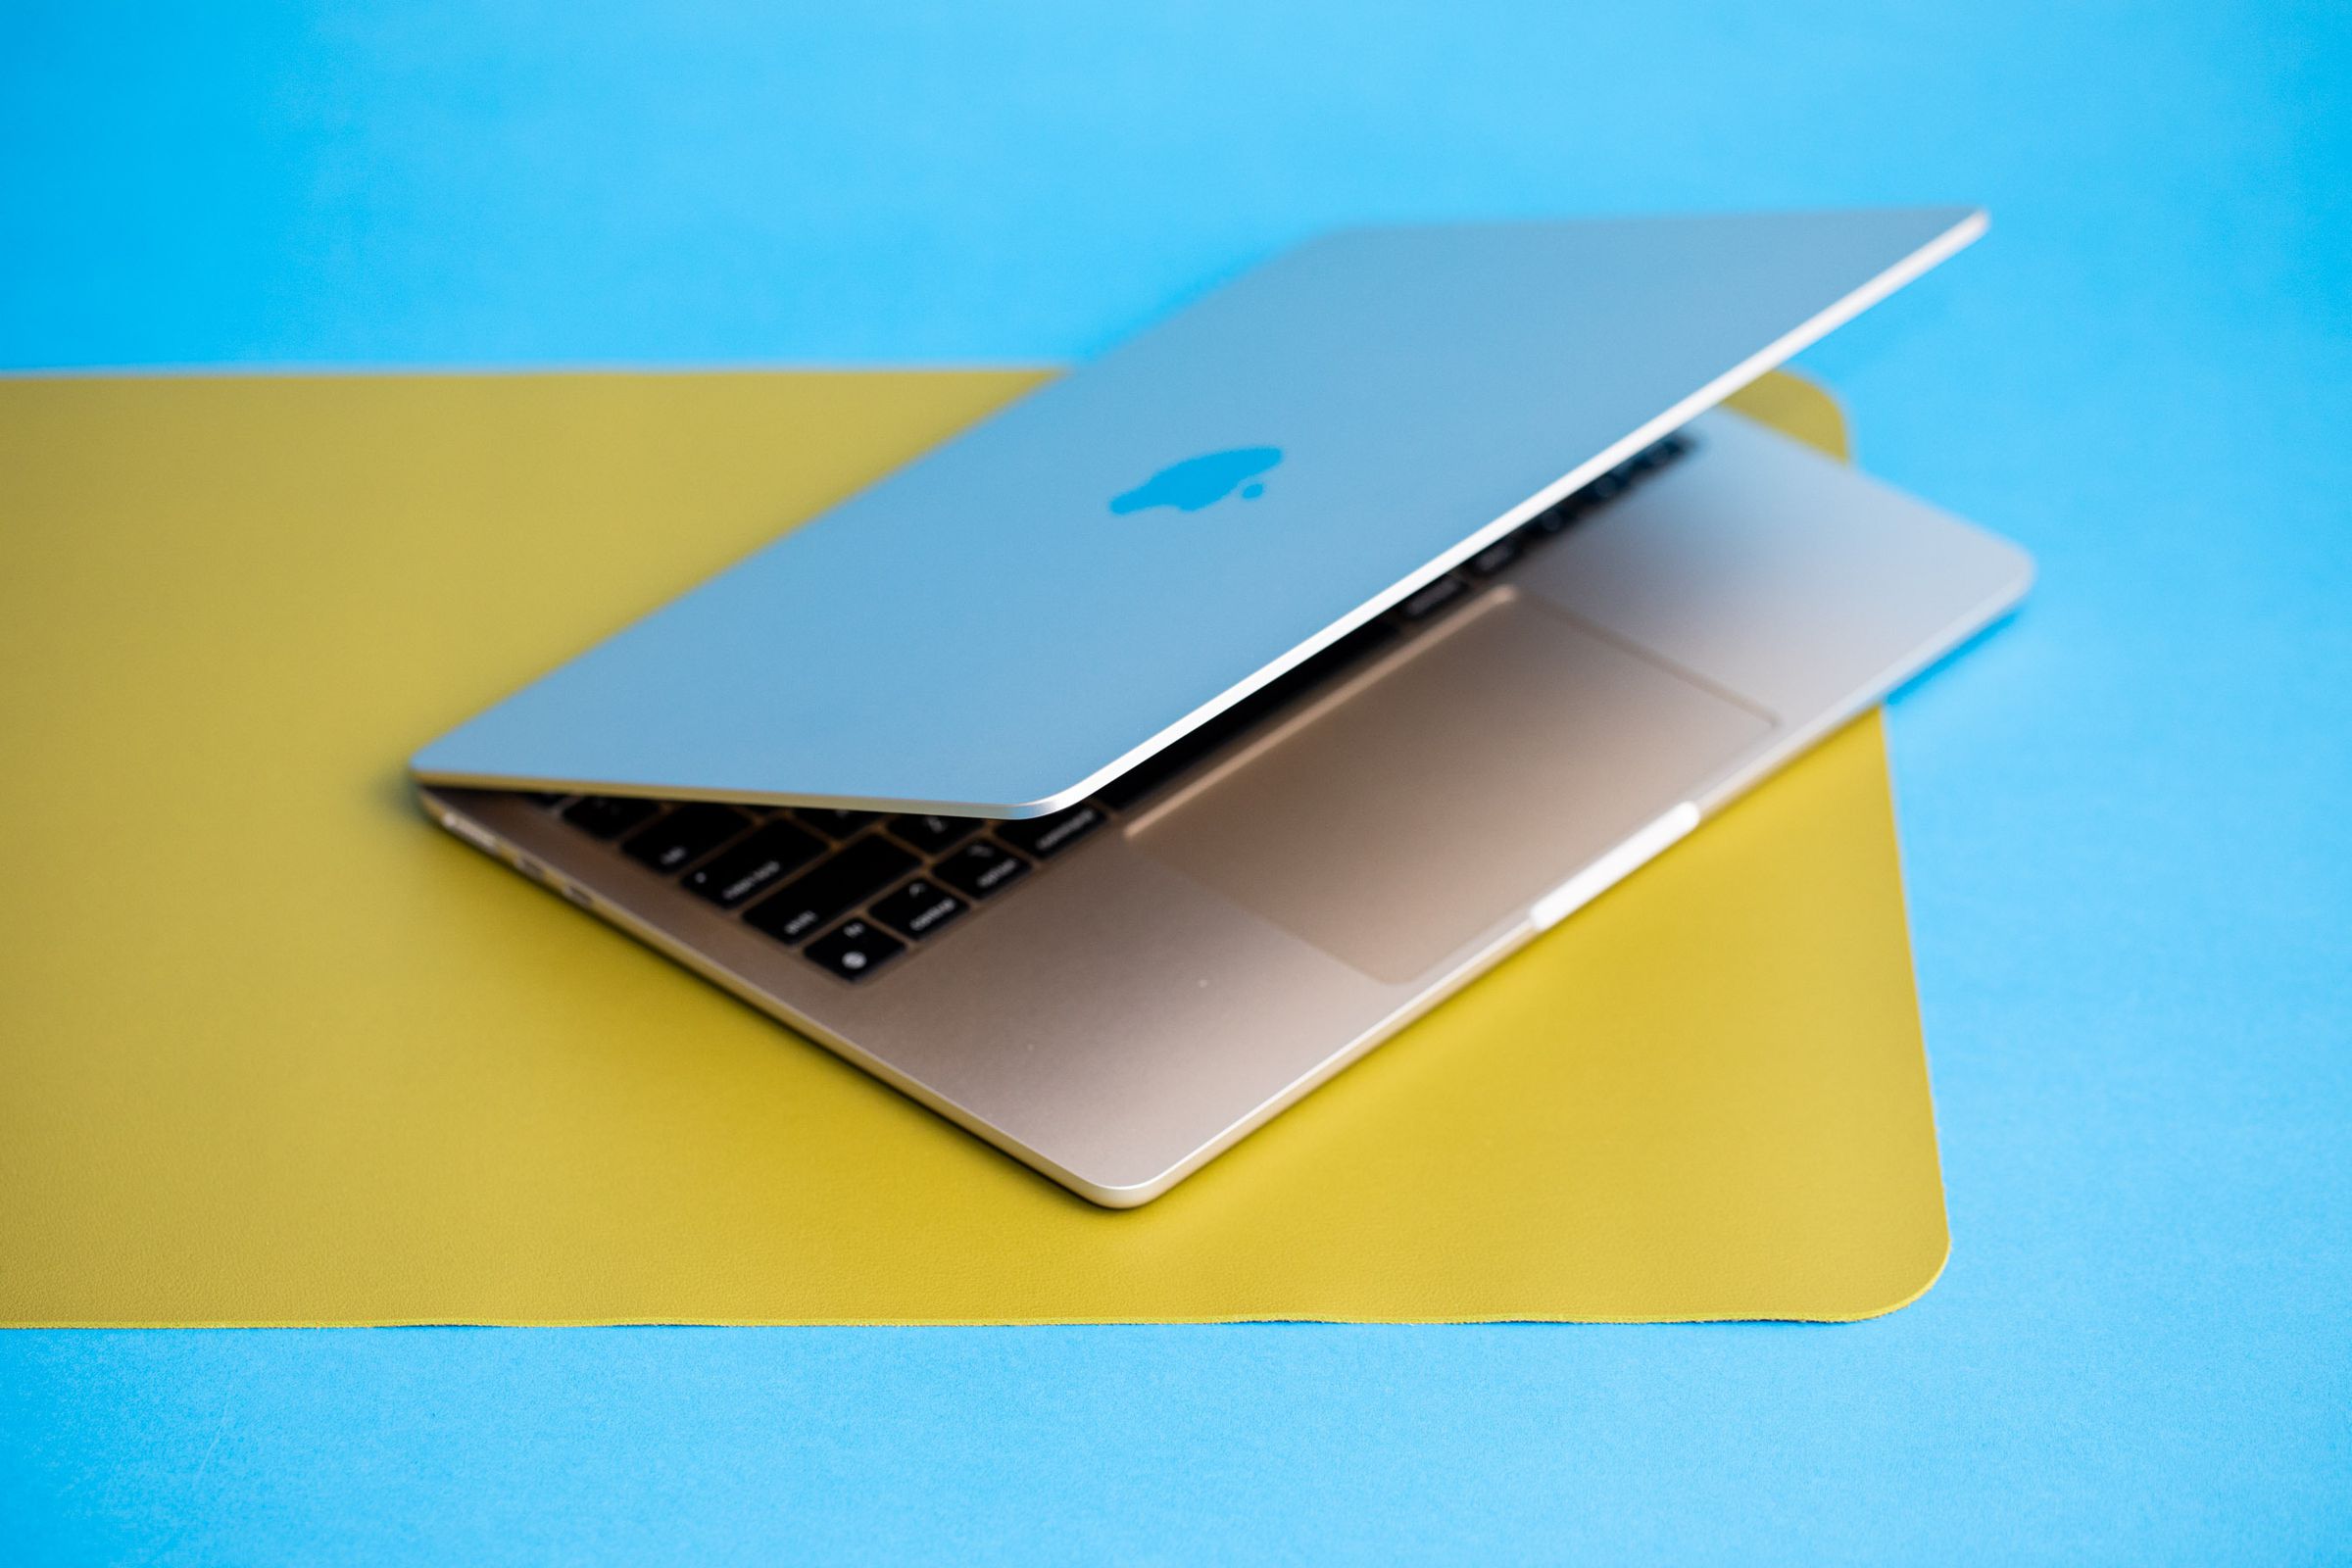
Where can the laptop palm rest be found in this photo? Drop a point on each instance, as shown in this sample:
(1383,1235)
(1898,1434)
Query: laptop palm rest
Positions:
(1410,812)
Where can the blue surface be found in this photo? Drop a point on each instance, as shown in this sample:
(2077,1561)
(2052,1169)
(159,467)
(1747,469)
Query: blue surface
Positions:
(2124,816)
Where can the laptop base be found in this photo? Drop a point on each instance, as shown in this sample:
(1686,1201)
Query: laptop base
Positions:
(1193,954)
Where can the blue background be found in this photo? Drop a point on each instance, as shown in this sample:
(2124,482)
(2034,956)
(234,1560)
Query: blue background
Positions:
(2125,817)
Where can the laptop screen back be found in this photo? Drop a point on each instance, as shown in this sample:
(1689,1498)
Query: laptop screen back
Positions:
(1076,582)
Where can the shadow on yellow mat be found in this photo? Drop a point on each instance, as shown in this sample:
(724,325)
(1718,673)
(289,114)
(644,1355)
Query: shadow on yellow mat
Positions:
(274,1050)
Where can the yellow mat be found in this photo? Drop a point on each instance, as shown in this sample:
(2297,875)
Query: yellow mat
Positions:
(274,1050)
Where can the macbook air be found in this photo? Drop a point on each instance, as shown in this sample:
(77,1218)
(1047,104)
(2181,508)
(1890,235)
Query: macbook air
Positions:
(1129,765)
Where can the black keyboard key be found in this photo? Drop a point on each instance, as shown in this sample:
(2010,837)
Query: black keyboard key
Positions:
(1563,513)
(1045,836)
(854,948)
(934,835)
(1496,555)
(609,816)
(834,824)
(981,869)
(1650,458)
(757,865)
(686,835)
(1426,601)
(919,908)
(851,877)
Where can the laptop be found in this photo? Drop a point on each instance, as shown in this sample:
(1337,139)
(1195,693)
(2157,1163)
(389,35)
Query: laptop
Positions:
(1126,767)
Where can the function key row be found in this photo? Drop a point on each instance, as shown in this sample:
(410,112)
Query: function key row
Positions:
(1425,601)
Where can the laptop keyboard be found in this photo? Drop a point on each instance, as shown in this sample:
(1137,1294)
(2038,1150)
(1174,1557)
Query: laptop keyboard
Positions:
(854,891)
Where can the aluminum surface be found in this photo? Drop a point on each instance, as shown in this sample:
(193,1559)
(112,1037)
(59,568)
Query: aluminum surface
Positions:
(1116,1022)
(1102,564)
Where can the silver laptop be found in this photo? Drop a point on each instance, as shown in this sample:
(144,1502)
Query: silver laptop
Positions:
(1129,765)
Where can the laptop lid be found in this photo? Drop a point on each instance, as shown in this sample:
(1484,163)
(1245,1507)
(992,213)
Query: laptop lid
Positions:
(1050,597)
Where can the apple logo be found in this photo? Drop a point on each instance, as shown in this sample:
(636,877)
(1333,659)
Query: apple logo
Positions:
(1202,482)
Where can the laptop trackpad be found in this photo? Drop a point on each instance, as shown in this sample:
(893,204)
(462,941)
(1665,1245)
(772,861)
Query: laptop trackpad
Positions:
(1486,764)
